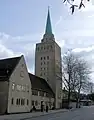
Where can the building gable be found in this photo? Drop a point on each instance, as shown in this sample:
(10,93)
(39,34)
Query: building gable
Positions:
(19,88)
(7,66)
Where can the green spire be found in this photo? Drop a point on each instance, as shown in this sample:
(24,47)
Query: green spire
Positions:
(48,24)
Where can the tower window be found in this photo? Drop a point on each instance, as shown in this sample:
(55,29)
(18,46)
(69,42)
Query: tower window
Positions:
(44,58)
(41,63)
(44,48)
(44,68)
(41,68)
(12,101)
(47,57)
(41,58)
(40,74)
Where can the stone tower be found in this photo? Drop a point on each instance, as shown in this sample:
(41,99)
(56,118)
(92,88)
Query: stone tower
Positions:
(48,62)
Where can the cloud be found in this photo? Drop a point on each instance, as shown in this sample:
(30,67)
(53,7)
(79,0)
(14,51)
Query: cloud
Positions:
(15,46)
(89,6)
(87,49)
(5,52)
(91,16)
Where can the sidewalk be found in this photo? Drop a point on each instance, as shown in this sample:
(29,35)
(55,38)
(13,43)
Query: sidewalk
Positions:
(24,116)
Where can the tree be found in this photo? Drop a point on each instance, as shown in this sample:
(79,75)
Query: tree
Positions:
(74,6)
(75,75)
(69,62)
(82,78)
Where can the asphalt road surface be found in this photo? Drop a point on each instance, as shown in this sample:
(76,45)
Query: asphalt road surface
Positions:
(85,113)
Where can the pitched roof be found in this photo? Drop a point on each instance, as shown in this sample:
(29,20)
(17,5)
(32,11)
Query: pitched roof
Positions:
(7,66)
(40,84)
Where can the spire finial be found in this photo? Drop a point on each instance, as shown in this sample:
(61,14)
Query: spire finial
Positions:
(48,24)
(48,7)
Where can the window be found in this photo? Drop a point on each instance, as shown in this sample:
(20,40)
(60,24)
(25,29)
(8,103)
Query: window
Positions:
(41,93)
(34,92)
(41,63)
(22,101)
(47,63)
(41,68)
(47,57)
(36,102)
(23,88)
(44,58)
(12,101)
(19,87)
(44,48)
(13,86)
(32,102)
(40,74)
(44,68)
(21,74)
(44,73)
(17,101)
(27,102)
(44,63)
(41,58)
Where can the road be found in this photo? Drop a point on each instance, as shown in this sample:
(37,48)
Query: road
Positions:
(85,113)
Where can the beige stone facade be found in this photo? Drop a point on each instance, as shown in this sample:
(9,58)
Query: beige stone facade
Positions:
(42,94)
(19,94)
(37,100)
(48,65)
(20,90)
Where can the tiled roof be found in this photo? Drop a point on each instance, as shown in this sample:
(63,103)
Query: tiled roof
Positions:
(40,84)
(7,66)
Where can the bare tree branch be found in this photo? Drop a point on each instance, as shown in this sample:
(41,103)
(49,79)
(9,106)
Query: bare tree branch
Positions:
(70,2)
(77,72)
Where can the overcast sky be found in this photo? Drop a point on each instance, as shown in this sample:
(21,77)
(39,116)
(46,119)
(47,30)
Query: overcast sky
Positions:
(22,25)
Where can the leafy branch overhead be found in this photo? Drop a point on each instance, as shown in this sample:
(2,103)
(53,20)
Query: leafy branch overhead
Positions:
(73,6)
